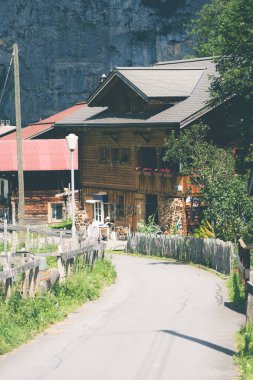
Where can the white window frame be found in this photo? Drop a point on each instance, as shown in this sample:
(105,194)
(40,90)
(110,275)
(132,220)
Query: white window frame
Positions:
(99,212)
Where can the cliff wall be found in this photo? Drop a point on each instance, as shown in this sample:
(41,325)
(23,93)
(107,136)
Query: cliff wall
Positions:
(66,45)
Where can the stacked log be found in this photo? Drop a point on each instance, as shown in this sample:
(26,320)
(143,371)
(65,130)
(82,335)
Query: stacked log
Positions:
(82,219)
(170,212)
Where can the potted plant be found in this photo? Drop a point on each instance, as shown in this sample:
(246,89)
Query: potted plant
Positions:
(148,171)
(167,172)
(138,170)
(158,172)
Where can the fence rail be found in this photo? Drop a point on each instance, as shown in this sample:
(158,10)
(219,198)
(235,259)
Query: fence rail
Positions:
(26,263)
(213,253)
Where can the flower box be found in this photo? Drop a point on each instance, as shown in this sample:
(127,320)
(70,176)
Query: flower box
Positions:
(148,174)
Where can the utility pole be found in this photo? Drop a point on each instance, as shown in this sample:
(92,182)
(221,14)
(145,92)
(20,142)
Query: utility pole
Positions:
(21,199)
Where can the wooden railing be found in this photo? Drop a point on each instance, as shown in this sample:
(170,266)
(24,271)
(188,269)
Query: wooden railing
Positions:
(246,275)
(23,266)
(213,253)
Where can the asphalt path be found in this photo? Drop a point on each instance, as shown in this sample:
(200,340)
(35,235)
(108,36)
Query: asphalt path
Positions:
(159,321)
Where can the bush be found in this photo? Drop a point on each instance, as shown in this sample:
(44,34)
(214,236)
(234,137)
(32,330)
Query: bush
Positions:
(65,224)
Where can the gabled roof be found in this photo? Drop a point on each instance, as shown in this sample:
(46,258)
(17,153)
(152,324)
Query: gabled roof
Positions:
(38,155)
(187,79)
(157,82)
(36,129)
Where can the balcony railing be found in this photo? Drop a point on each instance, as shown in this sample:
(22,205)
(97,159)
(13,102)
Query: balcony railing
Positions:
(156,180)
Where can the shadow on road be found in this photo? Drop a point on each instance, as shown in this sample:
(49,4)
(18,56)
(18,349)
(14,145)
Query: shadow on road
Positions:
(200,341)
(241,309)
(167,263)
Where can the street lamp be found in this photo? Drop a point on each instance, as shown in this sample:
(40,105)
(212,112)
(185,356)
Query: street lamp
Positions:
(72,143)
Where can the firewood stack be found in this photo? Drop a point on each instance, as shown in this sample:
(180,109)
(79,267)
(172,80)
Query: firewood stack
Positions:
(170,211)
(82,219)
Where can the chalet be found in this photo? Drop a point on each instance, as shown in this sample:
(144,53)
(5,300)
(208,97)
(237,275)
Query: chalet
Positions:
(121,142)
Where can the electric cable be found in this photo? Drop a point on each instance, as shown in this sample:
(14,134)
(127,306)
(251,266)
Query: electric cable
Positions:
(6,79)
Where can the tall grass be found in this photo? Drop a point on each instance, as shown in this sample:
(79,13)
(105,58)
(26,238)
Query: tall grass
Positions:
(245,355)
(21,318)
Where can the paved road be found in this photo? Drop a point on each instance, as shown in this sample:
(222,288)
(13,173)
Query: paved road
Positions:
(160,321)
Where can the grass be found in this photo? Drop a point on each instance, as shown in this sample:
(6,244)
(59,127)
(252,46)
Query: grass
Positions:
(236,291)
(244,358)
(22,318)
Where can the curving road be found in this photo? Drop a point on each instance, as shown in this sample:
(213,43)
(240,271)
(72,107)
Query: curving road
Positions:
(160,321)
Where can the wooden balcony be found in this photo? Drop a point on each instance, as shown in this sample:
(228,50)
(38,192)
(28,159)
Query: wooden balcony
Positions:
(170,184)
(156,183)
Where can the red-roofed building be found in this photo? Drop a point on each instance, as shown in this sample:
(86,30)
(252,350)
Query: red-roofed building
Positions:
(46,164)
(45,128)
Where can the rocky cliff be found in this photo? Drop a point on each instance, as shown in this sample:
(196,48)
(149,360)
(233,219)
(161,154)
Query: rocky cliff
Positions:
(66,45)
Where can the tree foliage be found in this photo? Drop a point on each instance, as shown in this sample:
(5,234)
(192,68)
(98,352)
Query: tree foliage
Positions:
(223,30)
(227,204)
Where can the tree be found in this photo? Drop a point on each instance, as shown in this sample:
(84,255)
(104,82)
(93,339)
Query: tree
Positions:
(223,30)
(227,204)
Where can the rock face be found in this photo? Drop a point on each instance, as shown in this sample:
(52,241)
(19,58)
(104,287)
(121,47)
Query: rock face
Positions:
(66,45)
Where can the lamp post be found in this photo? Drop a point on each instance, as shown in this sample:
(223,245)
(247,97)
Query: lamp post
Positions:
(72,143)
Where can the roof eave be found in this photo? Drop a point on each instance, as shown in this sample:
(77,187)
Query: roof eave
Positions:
(112,125)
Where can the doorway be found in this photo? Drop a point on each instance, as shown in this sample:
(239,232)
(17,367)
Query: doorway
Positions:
(151,207)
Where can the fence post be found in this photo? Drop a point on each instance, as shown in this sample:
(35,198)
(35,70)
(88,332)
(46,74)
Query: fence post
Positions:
(31,283)
(27,242)
(249,313)
(5,237)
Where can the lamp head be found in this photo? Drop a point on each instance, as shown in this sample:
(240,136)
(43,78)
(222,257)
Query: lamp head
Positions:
(72,141)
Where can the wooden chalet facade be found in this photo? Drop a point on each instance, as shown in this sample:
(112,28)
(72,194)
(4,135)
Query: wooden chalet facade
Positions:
(121,143)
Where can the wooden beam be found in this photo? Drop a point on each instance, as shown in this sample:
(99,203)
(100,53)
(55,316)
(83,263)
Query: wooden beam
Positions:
(144,136)
(113,136)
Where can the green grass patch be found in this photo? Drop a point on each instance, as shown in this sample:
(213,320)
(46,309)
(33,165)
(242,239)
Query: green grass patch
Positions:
(236,291)
(22,318)
(244,358)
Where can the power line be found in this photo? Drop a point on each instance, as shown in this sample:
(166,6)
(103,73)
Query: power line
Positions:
(6,79)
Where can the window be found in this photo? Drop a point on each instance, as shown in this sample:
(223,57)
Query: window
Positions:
(115,154)
(124,155)
(99,212)
(120,207)
(148,157)
(56,211)
(120,155)
(102,154)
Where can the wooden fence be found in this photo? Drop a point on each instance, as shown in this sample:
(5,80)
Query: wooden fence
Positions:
(31,238)
(246,275)
(23,266)
(213,253)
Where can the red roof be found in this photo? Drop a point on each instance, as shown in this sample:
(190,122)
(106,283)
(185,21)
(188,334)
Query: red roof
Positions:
(37,155)
(35,129)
